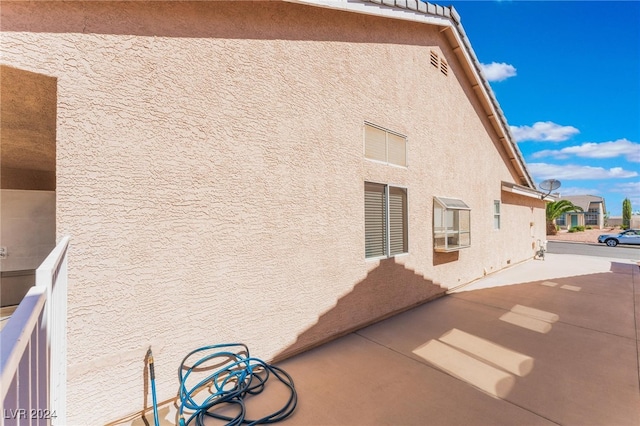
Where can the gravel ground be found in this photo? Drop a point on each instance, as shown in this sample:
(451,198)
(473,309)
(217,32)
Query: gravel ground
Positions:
(587,236)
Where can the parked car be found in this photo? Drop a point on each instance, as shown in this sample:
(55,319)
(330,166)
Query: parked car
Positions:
(630,236)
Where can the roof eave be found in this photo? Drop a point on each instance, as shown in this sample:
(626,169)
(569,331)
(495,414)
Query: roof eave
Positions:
(526,191)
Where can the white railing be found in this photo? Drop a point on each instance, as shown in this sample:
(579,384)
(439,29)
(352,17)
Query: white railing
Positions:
(33,375)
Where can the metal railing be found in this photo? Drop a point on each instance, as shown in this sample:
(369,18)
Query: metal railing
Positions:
(33,375)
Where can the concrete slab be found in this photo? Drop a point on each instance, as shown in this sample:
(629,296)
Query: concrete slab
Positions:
(560,348)
(554,266)
(354,381)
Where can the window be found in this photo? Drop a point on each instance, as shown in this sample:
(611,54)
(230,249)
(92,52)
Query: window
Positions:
(383,145)
(451,224)
(560,221)
(496,214)
(591,218)
(385,220)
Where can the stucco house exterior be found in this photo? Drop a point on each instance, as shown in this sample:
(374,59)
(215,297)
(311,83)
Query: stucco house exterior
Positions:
(592,214)
(278,173)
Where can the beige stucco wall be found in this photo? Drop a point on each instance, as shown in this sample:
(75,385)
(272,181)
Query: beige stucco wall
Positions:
(210,171)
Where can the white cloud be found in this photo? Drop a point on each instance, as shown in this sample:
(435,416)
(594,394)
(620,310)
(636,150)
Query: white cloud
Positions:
(498,71)
(576,172)
(546,131)
(621,147)
(574,190)
(627,187)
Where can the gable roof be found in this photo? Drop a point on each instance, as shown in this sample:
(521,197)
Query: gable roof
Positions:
(449,19)
(584,201)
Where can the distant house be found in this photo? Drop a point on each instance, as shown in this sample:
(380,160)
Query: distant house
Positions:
(592,214)
(276,173)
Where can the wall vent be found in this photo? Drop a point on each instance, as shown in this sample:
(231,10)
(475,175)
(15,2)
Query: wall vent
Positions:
(444,68)
(434,59)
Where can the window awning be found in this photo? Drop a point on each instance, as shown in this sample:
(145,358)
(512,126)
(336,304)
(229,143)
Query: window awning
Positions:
(452,203)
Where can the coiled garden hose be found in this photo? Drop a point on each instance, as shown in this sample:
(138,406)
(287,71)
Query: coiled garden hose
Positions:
(235,376)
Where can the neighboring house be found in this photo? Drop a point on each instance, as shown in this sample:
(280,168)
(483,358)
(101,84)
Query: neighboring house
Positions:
(276,173)
(592,214)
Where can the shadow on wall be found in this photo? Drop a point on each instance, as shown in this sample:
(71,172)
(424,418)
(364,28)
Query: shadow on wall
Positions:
(388,289)
(199,19)
(442,258)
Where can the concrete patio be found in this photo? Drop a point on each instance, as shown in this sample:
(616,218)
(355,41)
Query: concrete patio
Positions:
(560,347)
(544,342)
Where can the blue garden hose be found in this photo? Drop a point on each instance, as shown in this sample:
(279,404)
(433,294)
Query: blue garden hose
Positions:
(152,375)
(235,376)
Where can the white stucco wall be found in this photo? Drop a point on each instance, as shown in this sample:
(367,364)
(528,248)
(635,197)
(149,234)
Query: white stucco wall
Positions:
(210,172)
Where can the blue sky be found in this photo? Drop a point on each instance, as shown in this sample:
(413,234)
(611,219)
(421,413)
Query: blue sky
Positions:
(567,77)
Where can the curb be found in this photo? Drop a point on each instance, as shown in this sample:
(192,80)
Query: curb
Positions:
(574,242)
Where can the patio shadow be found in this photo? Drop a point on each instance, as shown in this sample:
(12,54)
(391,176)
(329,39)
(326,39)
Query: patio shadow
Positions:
(388,289)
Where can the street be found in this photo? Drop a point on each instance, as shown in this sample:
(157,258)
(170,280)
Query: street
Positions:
(600,250)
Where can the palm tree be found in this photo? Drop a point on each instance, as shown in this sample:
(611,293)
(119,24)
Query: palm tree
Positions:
(556,209)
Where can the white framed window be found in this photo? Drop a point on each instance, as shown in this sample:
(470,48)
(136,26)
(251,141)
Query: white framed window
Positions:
(451,224)
(496,214)
(385,220)
(384,145)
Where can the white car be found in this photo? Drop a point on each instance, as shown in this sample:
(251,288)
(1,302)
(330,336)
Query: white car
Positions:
(630,236)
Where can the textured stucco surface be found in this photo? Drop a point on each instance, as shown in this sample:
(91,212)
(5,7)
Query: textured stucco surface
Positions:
(210,172)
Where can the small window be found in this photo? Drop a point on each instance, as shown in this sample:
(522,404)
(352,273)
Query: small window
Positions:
(384,145)
(451,224)
(496,214)
(385,220)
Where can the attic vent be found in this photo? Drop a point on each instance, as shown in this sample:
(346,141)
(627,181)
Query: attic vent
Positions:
(434,59)
(444,68)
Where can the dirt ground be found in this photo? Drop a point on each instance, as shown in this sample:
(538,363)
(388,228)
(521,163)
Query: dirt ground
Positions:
(587,236)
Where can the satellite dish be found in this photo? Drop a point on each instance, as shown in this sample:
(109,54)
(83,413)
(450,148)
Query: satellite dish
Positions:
(549,185)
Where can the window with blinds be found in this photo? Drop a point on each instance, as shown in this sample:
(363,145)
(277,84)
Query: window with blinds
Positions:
(385,212)
(384,145)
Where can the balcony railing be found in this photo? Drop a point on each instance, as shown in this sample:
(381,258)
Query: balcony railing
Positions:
(33,375)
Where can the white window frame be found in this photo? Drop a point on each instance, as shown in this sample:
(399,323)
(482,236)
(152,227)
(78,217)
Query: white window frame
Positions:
(387,236)
(386,159)
(454,231)
(497,211)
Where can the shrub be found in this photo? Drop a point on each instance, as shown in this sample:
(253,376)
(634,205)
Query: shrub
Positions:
(589,227)
(580,228)
(572,229)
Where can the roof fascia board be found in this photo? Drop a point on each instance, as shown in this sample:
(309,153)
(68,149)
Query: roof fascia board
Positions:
(385,8)
(494,113)
(449,19)
(527,192)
